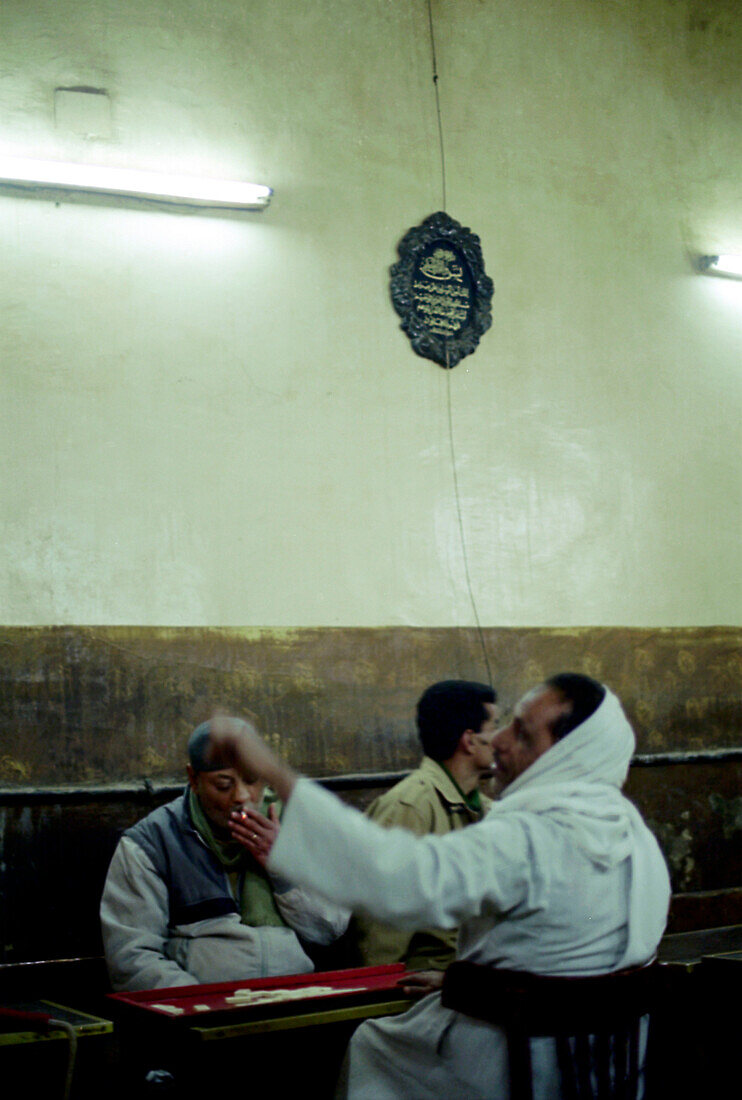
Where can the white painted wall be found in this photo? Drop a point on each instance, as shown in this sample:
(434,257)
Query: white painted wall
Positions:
(213,422)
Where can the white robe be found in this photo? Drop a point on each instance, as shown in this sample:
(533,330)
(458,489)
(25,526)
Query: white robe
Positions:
(562,877)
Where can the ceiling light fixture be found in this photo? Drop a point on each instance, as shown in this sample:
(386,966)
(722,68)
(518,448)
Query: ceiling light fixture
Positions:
(725,264)
(45,176)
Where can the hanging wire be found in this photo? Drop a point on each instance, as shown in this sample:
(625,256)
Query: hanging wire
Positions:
(457,493)
(437,104)
(459,516)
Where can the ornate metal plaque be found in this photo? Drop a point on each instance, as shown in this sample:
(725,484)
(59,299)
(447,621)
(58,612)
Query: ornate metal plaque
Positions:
(440,290)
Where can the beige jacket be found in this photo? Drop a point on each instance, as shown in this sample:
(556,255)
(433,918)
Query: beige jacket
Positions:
(427,801)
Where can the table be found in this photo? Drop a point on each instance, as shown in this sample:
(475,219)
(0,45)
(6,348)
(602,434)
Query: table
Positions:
(690,948)
(197,1034)
(37,1061)
(700,1022)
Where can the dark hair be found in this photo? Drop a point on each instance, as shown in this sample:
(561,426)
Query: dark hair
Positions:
(446,709)
(199,751)
(585,695)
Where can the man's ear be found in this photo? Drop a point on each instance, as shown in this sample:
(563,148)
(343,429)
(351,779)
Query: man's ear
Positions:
(192,776)
(466,744)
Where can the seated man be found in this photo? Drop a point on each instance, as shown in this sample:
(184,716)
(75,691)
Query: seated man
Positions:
(456,722)
(185,903)
(561,878)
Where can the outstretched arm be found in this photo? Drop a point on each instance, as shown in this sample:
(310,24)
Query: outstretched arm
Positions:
(399,878)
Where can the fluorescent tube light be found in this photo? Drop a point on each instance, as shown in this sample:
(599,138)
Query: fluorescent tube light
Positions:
(725,264)
(131,183)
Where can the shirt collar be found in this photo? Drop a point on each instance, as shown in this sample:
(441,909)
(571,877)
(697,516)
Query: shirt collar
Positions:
(447,786)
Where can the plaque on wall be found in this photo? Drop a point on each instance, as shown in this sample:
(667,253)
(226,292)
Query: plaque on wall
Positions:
(440,290)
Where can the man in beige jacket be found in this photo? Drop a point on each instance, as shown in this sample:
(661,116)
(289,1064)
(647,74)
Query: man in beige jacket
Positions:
(456,721)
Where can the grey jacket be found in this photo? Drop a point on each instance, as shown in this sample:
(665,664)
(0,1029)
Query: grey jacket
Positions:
(169,917)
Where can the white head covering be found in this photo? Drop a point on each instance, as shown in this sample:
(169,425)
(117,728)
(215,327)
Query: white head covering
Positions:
(577,782)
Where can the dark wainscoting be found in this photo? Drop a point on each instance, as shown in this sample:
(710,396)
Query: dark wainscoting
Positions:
(94,723)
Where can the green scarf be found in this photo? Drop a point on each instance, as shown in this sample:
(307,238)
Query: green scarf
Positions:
(472,800)
(250,882)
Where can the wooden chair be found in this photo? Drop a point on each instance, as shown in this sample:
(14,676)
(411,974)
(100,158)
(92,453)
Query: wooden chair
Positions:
(595,1022)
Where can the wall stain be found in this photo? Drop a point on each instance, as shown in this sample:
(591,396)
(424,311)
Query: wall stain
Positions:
(730,811)
(11,769)
(676,840)
(77,703)
(115,705)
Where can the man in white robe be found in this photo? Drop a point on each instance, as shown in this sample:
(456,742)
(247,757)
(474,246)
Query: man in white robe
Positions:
(562,878)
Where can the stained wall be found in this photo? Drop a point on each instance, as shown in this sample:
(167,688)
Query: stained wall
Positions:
(219,423)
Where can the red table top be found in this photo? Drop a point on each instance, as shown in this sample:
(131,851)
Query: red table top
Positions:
(185,1002)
